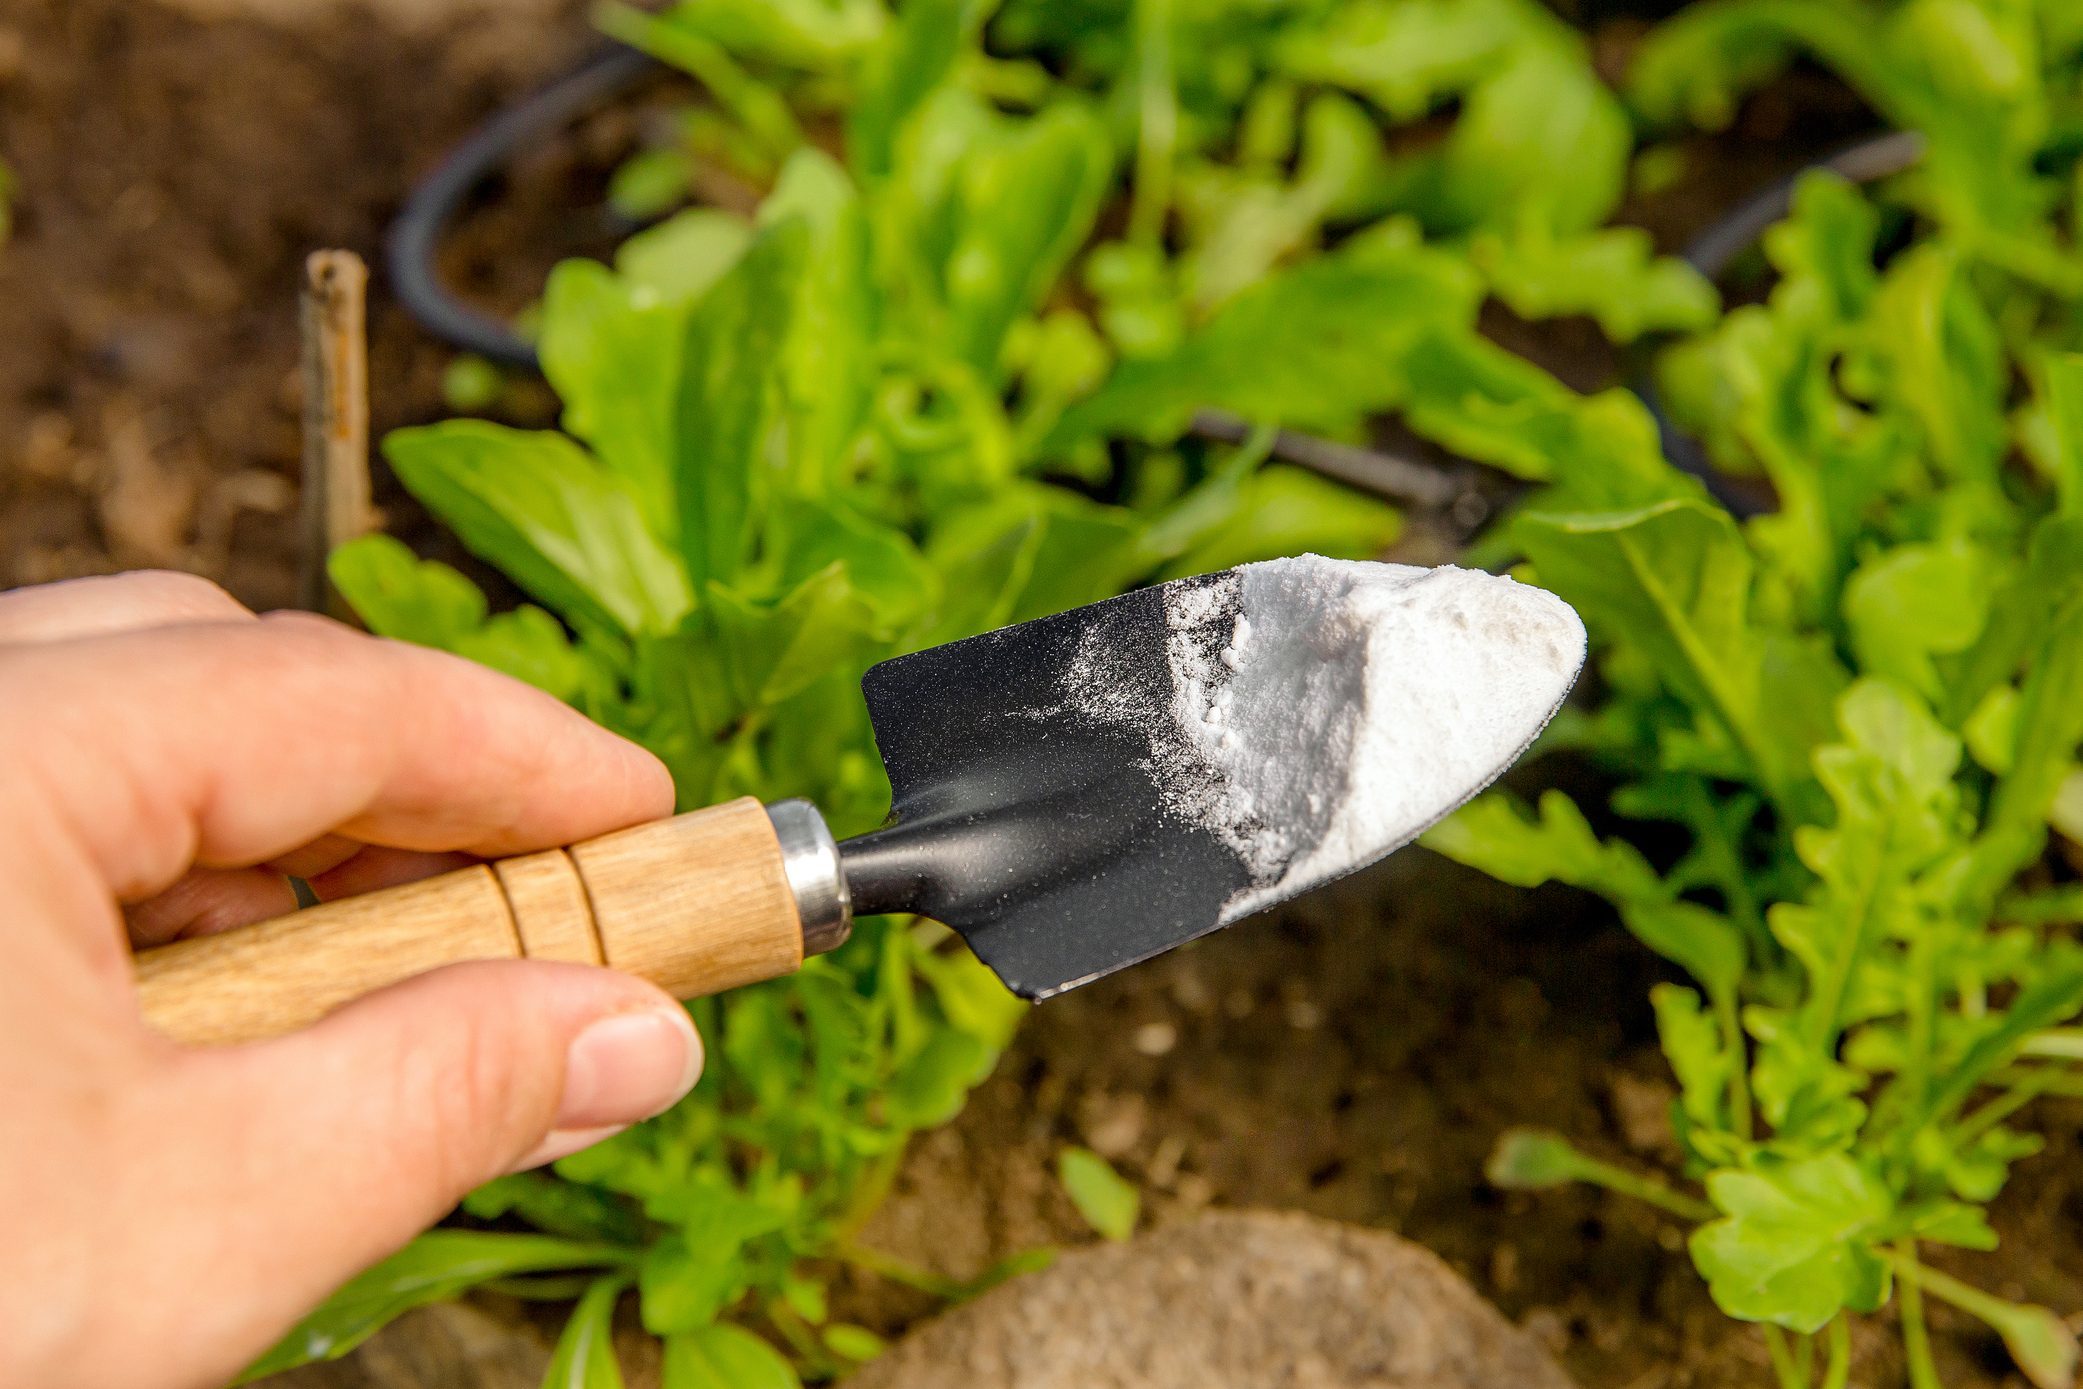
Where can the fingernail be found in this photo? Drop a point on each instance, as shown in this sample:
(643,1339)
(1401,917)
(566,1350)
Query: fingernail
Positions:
(627,1067)
(563,1143)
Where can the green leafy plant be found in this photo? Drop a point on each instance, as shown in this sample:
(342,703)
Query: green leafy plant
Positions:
(1256,134)
(1108,1201)
(1859,711)
(932,358)
(793,444)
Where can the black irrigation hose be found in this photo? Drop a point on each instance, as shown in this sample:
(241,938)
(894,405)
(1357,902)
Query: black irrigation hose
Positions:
(414,241)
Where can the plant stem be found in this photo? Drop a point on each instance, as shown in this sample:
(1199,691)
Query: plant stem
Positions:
(565,1288)
(1725,1011)
(1790,1374)
(1840,1367)
(2055,1043)
(801,1337)
(2050,1080)
(1916,1335)
(761,110)
(2003,1107)
(1646,1189)
(897,1270)
(1157,123)
(868,1193)
(1946,1288)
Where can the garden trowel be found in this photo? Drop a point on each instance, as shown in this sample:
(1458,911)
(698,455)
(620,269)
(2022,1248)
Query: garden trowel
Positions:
(1071,794)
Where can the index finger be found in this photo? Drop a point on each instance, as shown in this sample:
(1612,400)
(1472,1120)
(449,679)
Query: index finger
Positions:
(230,744)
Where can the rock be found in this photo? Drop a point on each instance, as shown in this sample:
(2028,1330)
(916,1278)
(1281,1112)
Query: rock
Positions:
(1235,1300)
(447,1346)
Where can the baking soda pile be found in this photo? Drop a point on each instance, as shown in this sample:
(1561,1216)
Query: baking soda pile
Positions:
(1324,712)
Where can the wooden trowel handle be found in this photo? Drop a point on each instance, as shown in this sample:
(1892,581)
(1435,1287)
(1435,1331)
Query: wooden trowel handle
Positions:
(697,904)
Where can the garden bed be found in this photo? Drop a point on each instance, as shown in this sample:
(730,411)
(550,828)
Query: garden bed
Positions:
(1355,1058)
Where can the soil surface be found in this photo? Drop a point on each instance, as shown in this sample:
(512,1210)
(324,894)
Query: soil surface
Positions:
(173,173)
(1354,1058)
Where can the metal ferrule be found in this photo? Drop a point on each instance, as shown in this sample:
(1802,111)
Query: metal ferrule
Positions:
(810,858)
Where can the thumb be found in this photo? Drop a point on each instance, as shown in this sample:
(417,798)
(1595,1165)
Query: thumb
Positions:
(326,1150)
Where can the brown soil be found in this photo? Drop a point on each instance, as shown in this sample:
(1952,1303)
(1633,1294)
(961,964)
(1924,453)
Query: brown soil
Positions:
(1355,1058)
(173,174)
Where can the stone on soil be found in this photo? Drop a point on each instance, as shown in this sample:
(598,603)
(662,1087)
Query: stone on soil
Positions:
(1234,1300)
(448,1346)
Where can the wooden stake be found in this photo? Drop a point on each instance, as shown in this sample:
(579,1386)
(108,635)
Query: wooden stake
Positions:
(332,318)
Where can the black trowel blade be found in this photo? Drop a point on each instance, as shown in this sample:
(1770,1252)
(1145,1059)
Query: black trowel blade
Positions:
(1038,833)
(1085,791)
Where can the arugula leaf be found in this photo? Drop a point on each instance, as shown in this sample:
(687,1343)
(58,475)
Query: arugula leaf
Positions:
(827,370)
(1709,1071)
(1241,222)
(726,400)
(536,505)
(1494,407)
(2064,400)
(403,596)
(1699,65)
(1280,511)
(1673,580)
(1940,351)
(1317,346)
(1406,58)
(905,72)
(724,1357)
(585,1354)
(673,263)
(773,651)
(1107,1201)
(1560,846)
(1917,602)
(1530,1160)
(433,1268)
(613,355)
(1892,783)
(558,1208)
(1613,275)
(1539,141)
(928,1089)
(1026,203)
(755,105)
(1787,1247)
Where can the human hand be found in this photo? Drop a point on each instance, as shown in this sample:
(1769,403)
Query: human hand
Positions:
(166,758)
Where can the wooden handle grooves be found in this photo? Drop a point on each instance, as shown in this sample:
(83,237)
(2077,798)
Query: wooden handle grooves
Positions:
(696,904)
(553,920)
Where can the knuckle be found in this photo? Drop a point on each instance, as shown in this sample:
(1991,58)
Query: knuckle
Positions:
(177,593)
(315,628)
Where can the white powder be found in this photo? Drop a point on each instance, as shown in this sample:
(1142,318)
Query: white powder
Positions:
(1324,712)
